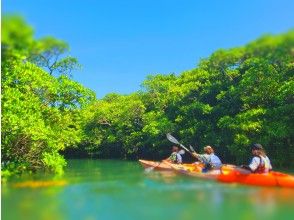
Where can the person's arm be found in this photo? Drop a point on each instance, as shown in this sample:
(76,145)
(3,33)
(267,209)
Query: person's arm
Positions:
(194,154)
(244,169)
(197,156)
(254,163)
(201,157)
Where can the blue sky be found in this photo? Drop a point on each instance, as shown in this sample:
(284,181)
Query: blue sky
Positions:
(120,42)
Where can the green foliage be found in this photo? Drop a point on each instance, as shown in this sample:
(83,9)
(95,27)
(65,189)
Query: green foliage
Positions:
(48,53)
(54,161)
(41,114)
(14,39)
(233,98)
(114,125)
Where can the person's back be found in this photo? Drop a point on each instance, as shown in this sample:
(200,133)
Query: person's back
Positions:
(210,160)
(215,161)
(260,163)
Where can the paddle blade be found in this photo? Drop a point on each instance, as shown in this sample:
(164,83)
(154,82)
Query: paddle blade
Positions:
(192,149)
(172,139)
(175,141)
(149,169)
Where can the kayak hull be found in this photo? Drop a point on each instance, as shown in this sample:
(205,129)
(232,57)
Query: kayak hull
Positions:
(161,165)
(155,164)
(275,179)
(195,170)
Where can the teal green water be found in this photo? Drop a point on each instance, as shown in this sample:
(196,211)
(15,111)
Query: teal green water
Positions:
(106,189)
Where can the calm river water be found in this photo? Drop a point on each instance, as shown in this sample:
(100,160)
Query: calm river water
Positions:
(109,189)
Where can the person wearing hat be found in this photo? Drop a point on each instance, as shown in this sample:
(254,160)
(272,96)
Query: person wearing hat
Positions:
(260,163)
(210,160)
(175,157)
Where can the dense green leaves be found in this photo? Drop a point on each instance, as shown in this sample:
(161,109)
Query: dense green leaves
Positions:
(41,114)
(233,98)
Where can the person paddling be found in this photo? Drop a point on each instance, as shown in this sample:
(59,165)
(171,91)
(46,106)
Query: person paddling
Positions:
(260,163)
(210,160)
(175,157)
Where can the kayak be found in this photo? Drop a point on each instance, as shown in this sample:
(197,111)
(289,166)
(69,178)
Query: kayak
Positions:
(195,171)
(230,174)
(187,167)
(155,164)
(160,165)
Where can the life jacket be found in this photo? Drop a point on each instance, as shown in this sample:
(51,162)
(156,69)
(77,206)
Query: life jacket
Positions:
(261,167)
(174,157)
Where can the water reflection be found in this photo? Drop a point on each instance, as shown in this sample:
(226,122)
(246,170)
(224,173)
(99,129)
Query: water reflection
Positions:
(37,184)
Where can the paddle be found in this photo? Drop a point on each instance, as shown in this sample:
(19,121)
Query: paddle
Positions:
(175,141)
(149,169)
(192,149)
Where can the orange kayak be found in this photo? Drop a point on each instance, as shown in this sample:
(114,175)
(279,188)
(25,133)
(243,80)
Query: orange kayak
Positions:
(195,170)
(232,175)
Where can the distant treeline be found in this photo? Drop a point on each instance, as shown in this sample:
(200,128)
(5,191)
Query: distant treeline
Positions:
(231,99)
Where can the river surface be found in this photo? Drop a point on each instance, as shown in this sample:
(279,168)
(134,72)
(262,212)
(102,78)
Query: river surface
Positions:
(109,189)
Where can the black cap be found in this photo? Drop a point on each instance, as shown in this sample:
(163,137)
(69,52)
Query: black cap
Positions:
(256,147)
